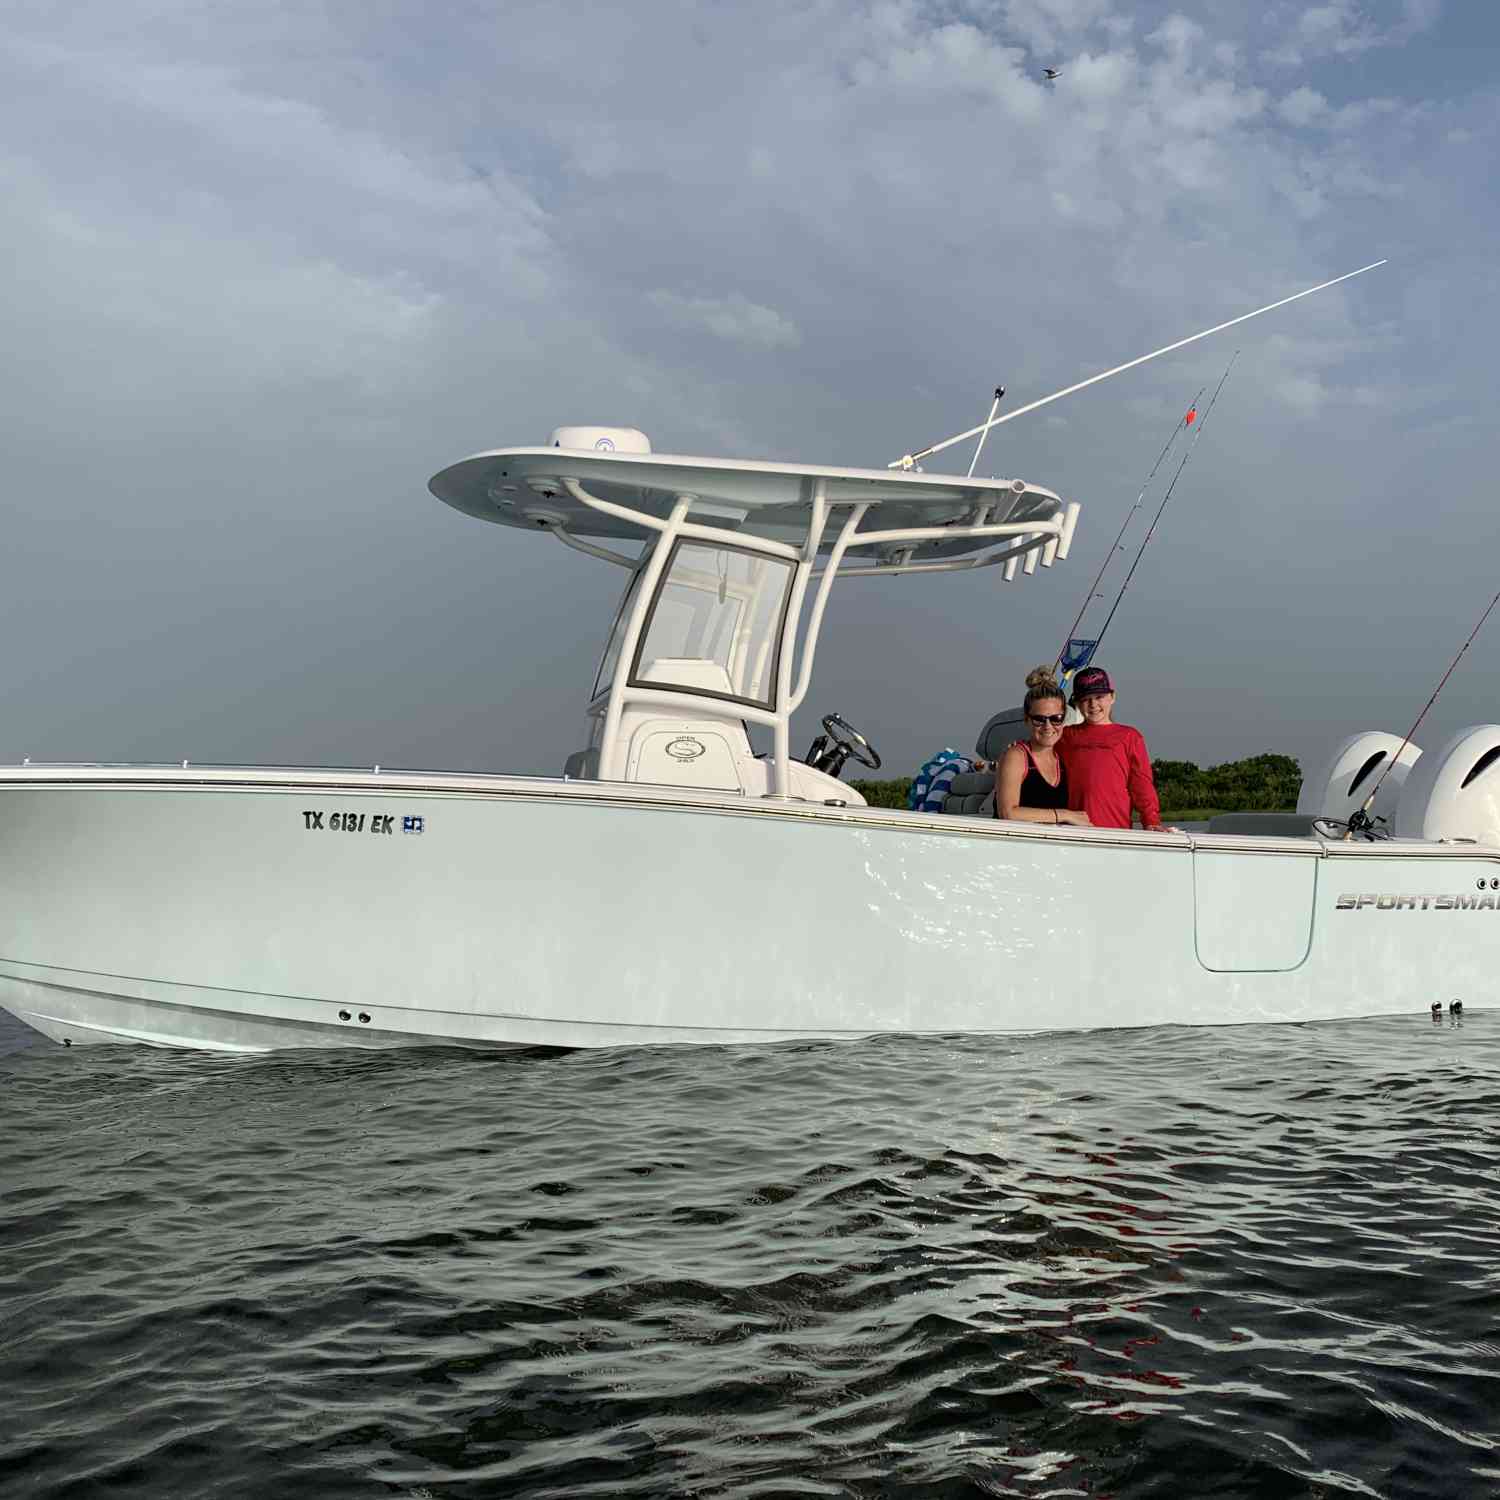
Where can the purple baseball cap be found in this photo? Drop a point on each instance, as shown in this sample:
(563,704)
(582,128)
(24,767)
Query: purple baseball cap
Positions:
(1090,683)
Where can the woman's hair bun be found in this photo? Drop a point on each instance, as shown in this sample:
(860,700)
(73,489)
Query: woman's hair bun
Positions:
(1041,677)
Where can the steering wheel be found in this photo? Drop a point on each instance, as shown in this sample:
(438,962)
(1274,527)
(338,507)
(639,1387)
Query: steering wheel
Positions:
(848,738)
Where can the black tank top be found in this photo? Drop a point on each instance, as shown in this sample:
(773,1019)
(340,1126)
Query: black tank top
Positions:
(1036,790)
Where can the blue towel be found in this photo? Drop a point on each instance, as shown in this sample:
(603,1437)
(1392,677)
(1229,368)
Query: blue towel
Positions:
(929,787)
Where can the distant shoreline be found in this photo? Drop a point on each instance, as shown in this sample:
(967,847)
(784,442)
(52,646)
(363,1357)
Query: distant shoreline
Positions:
(1188,793)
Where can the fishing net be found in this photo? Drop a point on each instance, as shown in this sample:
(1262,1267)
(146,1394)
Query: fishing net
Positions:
(1078,655)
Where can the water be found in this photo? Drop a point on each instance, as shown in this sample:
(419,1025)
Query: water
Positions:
(1261,1261)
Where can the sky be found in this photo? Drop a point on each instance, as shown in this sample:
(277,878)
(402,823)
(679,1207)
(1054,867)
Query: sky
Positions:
(271,266)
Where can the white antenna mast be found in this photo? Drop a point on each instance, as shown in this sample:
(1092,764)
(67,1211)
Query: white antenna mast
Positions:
(985,430)
(911,459)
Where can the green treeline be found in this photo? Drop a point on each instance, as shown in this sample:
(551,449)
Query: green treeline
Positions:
(884,793)
(1260,783)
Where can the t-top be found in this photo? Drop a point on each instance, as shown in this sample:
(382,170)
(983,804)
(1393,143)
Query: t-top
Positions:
(1109,772)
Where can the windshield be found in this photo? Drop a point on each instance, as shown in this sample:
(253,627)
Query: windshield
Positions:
(622,618)
(715,624)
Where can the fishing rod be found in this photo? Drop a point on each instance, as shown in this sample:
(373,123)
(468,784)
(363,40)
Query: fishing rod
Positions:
(1360,821)
(1092,594)
(910,460)
(1151,530)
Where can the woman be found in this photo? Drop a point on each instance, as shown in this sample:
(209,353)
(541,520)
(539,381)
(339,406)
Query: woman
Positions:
(1109,772)
(1031,784)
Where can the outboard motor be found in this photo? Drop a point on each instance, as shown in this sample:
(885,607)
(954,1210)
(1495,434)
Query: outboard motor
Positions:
(1340,787)
(1455,794)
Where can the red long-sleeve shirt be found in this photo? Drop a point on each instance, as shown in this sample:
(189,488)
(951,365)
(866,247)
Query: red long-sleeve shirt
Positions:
(1108,773)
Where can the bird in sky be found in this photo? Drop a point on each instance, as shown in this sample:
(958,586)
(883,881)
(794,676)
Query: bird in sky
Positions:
(1051,74)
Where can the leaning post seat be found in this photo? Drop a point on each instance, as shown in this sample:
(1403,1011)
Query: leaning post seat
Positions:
(971,790)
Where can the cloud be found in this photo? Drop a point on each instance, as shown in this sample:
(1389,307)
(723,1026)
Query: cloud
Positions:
(733,318)
(271,266)
(1303,107)
(1047,25)
(1177,36)
(1345,28)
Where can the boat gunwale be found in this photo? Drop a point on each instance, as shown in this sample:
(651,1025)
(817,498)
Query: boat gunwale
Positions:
(349,781)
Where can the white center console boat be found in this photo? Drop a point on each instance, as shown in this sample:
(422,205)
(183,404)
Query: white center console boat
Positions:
(674,885)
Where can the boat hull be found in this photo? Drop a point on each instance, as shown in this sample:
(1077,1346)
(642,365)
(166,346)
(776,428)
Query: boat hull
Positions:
(244,911)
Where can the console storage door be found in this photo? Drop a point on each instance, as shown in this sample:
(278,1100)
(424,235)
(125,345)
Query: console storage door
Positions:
(1253,909)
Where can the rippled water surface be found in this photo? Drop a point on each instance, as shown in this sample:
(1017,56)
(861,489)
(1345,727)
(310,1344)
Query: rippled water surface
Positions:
(1261,1261)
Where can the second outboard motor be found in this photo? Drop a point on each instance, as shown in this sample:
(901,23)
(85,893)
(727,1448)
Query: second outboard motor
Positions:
(1340,787)
(1455,794)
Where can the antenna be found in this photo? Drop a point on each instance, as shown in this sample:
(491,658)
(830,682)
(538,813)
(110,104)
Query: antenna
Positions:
(979,447)
(911,459)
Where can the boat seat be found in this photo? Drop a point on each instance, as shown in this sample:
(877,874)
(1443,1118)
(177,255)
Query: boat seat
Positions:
(688,672)
(1280,825)
(971,791)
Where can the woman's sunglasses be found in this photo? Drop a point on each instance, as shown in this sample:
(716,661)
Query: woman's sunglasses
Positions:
(1047,718)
